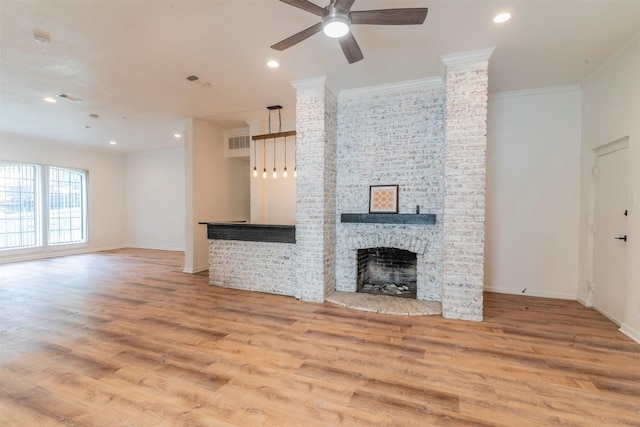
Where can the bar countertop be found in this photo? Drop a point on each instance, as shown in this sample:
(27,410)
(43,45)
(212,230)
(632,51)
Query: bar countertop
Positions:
(242,231)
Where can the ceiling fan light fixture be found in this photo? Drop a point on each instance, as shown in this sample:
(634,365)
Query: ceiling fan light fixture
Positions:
(335,29)
(336,24)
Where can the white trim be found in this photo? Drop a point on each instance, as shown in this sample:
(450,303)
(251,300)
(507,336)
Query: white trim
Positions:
(391,87)
(467,57)
(607,315)
(156,247)
(585,303)
(612,147)
(533,92)
(195,270)
(44,255)
(317,84)
(630,332)
(529,293)
(312,83)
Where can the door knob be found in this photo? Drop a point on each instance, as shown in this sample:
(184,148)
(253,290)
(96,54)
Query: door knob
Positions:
(621,238)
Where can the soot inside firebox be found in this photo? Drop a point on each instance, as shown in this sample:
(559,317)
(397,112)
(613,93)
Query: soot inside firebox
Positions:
(387,271)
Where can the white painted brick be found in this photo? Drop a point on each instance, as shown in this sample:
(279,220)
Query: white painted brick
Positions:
(464,194)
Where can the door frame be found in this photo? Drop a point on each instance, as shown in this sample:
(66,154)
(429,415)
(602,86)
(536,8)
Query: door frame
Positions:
(602,150)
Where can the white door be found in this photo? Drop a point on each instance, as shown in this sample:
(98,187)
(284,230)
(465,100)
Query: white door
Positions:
(610,246)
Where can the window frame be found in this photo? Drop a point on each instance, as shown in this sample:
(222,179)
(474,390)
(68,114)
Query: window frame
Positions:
(43,211)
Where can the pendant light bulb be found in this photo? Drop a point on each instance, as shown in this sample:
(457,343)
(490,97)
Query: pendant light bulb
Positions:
(284,174)
(295,172)
(264,173)
(275,174)
(255,172)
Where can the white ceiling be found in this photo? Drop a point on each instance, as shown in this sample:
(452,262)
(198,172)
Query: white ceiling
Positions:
(129,60)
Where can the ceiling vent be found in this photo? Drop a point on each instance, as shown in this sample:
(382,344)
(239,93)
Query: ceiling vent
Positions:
(204,84)
(70,97)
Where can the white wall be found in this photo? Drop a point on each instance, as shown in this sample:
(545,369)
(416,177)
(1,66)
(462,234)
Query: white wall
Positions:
(216,190)
(155,199)
(106,184)
(533,192)
(610,111)
(273,201)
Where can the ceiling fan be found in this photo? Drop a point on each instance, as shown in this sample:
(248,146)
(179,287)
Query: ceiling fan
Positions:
(337,18)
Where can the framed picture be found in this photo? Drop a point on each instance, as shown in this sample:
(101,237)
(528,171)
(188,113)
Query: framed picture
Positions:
(383,199)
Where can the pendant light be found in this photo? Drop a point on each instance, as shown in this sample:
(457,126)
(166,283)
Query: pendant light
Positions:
(295,168)
(275,174)
(274,136)
(255,160)
(264,159)
(284,173)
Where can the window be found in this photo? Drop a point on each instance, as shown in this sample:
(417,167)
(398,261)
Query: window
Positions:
(66,206)
(41,205)
(18,214)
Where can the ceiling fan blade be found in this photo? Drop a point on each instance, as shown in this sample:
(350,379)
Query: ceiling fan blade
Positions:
(306,5)
(344,5)
(350,48)
(410,16)
(298,37)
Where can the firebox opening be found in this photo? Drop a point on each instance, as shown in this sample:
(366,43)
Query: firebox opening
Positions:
(387,271)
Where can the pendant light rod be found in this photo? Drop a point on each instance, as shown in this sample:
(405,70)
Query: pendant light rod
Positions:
(278,134)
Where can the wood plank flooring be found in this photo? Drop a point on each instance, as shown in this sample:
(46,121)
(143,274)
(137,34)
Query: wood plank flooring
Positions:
(124,338)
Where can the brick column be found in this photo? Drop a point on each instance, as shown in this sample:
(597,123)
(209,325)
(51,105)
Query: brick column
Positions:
(316,124)
(466,81)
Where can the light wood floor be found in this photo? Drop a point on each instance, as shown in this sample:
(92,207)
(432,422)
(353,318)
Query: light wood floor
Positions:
(123,338)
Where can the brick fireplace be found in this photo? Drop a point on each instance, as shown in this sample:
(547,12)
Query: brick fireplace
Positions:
(428,137)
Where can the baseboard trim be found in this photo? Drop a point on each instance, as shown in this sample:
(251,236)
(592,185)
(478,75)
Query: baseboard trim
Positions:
(584,302)
(630,332)
(530,292)
(32,256)
(157,248)
(195,270)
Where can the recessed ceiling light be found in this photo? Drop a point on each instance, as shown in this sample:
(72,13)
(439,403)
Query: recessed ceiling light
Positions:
(273,64)
(177,135)
(112,142)
(502,17)
(50,99)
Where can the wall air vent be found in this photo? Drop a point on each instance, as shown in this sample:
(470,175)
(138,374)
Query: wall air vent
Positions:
(237,145)
(239,142)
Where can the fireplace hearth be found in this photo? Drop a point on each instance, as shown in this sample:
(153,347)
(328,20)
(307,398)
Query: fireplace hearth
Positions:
(387,271)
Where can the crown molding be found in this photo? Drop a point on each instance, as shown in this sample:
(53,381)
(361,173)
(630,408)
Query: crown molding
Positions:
(312,83)
(467,57)
(539,91)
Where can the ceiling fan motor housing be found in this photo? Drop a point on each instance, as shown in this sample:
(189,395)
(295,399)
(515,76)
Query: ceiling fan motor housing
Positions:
(336,23)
